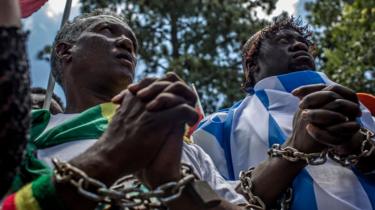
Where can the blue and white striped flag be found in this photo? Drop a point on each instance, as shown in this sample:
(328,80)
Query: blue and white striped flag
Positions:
(238,138)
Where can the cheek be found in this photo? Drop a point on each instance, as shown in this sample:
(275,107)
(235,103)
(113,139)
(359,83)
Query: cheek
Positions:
(94,48)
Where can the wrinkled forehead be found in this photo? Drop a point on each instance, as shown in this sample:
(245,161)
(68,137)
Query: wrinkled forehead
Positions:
(92,22)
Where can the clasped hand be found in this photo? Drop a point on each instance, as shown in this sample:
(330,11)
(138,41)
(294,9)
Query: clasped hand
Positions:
(146,134)
(326,119)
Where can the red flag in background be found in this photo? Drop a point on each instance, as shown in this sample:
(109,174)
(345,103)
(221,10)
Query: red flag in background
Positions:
(368,100)
(28,7)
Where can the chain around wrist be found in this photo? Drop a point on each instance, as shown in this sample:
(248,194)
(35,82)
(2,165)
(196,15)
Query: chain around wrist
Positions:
(127,192)
(367,149)
(293,155)
(255,202)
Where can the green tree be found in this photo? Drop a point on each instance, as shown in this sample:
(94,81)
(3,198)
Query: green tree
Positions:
(199,39)
(345,41)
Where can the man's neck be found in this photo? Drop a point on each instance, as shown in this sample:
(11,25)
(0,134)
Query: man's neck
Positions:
(79,101)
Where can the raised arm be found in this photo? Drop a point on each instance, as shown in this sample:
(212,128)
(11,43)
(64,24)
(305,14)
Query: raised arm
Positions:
(165,167)
(10,13)
(326,120)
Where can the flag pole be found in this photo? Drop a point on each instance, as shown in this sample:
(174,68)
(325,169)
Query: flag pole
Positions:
(51,79)
(198,100)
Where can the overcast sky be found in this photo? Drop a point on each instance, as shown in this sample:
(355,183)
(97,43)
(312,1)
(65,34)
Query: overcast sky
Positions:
(44,24)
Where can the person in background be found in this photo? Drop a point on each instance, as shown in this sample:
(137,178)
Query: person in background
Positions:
(15,103)
(38,95)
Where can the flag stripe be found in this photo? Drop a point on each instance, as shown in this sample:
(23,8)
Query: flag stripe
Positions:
(25,200)
(297,79)
(303,192)
(108,111)
(227,144)
(368,185)
(9,203)
(265,117)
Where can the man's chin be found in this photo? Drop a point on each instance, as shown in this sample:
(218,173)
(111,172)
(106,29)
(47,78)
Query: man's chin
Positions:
(126,74)
(302,67)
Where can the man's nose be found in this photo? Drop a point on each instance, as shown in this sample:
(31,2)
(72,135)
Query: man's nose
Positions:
(297,45)
(125,43)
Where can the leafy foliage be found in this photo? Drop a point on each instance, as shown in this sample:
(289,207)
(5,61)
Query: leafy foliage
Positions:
(346,38)
(199,39)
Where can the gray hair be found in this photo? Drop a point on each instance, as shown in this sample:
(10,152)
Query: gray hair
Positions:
(71,31)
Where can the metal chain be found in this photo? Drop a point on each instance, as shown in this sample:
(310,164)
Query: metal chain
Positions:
(255,202)
(293,155)
(125,193)
(367,148)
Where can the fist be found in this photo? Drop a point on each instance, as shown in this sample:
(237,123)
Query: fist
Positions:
(326,117)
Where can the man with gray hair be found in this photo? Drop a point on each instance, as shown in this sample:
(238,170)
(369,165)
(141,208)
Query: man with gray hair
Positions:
(96,142)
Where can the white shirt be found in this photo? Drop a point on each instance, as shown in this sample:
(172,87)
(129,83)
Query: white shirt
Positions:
(192,155)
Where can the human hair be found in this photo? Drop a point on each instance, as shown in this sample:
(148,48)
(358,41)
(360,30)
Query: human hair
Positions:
(71,31)
(42,91)
(251,48)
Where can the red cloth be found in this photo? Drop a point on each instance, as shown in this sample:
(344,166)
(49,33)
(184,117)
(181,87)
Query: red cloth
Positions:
(368,100)
(28,7)
(9,203)
(194,127)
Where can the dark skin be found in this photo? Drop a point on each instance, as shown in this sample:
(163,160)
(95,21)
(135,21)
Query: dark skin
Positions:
(158,106)
(99,65)
(166,166)
(325,119)
(288,45)
(162,106)
(10,14)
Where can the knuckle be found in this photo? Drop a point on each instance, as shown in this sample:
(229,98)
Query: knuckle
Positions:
(185,108)
(331,94)
(334,88)
(172,76)
(160,85)
(179,85)
(340,103)
(165,96)
(148,80)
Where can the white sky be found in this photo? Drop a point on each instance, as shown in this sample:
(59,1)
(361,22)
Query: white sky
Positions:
(56,7)
(282,5)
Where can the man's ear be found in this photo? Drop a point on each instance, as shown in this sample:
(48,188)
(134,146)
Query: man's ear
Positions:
(64,51)
(251,72)
(252,68)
